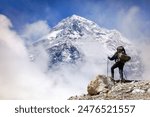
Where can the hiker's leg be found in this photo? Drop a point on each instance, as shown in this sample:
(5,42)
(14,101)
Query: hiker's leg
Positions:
(121,71)
(121,74)
(112,70)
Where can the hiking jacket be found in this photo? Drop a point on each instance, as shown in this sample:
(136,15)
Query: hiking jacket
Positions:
(116,56)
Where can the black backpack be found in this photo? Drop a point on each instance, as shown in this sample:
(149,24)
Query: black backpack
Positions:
(122,56)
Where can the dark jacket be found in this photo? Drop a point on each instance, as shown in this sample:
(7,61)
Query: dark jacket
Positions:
(116,56)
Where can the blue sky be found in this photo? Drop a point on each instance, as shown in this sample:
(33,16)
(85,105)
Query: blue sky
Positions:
(106,13)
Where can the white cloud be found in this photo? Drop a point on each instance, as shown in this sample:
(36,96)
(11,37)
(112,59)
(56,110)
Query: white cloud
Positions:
(36,30)
(9,37)
(15,69)
(4,21)
(129,22)
(144,47)
(20,78)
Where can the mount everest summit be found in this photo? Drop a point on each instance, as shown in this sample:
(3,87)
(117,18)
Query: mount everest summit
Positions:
(82,43)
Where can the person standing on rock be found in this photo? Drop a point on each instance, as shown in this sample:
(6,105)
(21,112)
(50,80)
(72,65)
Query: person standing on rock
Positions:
(120,58)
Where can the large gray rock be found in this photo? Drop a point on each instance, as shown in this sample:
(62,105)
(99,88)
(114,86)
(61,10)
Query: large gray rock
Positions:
(101,84)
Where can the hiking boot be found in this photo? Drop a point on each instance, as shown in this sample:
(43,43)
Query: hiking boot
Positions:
(123,80)
(112,80)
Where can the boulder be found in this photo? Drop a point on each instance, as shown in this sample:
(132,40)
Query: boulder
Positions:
(101,84)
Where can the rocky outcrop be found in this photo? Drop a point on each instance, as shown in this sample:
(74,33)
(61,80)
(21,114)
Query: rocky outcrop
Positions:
(103,88)
(100,84)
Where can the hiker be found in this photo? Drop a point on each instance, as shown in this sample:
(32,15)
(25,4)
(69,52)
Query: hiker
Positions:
(120,58)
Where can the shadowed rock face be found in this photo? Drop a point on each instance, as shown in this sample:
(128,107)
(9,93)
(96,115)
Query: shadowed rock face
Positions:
(104,88)
(62,53)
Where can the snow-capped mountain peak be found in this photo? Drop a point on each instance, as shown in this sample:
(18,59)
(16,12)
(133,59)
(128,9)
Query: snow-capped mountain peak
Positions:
(76,27)
(75,38)
(76,18)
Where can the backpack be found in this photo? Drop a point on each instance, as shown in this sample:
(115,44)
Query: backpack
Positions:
(123,57)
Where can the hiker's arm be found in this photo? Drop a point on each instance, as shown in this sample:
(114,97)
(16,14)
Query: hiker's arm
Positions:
(113,57)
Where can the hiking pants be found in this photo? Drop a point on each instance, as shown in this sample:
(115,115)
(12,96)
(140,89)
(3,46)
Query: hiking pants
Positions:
(120,66)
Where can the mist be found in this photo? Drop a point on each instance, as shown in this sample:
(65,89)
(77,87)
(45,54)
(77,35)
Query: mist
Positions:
(145,55)
(19,77)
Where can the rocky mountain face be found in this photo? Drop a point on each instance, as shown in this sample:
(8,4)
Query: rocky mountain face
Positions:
(70,40)
(103,88)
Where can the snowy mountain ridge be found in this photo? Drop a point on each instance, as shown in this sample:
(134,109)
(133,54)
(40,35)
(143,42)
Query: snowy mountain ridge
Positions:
(76,27)
(75,38)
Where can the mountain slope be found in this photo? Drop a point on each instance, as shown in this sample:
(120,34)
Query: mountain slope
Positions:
(76,40)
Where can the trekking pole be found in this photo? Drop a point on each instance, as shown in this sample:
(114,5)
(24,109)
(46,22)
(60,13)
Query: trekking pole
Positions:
(107,66)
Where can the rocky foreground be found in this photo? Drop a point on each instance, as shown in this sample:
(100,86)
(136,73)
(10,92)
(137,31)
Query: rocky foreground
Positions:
(103,88)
